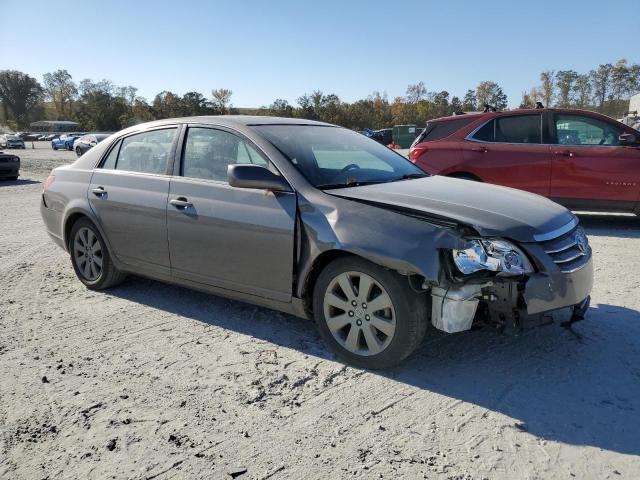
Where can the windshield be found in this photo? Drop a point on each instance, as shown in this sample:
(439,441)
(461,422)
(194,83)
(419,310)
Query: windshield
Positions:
(332,157)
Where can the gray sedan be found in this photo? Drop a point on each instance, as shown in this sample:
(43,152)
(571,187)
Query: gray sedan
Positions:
(318,221)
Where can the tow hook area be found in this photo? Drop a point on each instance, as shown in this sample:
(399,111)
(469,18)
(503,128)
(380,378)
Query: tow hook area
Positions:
(578,313)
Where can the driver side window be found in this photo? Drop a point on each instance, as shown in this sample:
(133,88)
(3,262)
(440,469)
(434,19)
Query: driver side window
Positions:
(208,152)
(578,130)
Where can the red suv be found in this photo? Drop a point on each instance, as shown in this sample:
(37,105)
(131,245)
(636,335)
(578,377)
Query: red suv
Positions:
(583,160)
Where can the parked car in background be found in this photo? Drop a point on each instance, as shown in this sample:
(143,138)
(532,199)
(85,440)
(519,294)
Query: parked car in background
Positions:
(11,141)
(86,142)
(9,166)
(65,141)
(580,159)
(318,221)
(383,136)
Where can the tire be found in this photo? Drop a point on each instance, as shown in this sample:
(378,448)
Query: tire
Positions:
(354,335)
(54,147)
(97,272)
(78,151)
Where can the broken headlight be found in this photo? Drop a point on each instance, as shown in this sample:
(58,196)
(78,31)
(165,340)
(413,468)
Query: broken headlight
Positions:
(493,255)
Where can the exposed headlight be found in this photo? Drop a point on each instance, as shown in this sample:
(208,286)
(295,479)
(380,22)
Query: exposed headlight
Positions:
(493,255)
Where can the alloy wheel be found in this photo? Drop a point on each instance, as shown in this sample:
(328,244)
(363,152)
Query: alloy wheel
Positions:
(359,313)
(87,253)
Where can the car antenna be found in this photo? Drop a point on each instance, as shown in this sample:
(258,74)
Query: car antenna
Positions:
(489,108)
(539,105)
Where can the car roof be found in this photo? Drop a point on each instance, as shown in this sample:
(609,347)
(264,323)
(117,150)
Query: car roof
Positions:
(244,120)
(476,115)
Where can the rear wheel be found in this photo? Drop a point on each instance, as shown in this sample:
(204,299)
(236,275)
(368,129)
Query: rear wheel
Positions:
(367,314)
(90,257)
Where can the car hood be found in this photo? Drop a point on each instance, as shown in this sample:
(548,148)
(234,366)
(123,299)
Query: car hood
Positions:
(489,209)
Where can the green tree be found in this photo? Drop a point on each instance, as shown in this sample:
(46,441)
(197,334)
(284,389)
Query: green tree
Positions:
(547,87)
(61,90)
(280,108)
(222,100)
(601,83)
(470,101)
(490,93)
(582,90)
(566,80)
(416,92)
(21,94)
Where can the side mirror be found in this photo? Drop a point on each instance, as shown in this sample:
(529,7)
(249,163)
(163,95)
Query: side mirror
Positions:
(256,177)
(629,139)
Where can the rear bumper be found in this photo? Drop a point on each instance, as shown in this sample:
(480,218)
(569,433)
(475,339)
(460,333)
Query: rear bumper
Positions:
(9,169)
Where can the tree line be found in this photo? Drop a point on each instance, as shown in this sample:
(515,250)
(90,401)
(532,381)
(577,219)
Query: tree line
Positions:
(104,106)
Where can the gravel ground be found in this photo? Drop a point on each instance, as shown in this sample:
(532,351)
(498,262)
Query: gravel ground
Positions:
(152,381)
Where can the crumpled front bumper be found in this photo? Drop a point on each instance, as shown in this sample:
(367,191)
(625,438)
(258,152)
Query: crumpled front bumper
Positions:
(545,292)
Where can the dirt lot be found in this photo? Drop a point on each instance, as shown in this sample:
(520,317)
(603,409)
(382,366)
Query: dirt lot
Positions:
(153,381)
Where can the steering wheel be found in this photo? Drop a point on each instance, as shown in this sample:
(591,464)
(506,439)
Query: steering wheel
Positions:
(351,166)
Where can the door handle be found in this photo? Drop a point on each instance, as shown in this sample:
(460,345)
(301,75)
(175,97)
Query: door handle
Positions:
(181,203)
(99,191)
(480,149)
(565,153)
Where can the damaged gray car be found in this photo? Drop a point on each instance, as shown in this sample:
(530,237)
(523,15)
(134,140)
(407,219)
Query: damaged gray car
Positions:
(320,222)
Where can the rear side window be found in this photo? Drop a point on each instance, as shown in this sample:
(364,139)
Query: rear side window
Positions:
(146,152)
(519,129)
(110,161)
(440,130)
(486,132)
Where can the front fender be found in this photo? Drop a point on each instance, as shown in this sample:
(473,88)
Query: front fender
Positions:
(394,240)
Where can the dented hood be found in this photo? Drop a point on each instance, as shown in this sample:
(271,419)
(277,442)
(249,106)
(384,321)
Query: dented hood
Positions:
(490,209)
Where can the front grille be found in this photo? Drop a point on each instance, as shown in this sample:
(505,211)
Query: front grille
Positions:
(570,251)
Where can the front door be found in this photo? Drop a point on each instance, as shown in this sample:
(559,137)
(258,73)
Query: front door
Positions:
(590,168)
(509,150)
(128,193)
(234,238)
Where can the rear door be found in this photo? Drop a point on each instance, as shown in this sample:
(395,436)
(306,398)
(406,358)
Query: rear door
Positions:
(234,238)
(590,167)
(128,193)
(510,150)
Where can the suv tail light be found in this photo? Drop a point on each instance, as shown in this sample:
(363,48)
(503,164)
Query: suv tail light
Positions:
(415,152)
(48,182)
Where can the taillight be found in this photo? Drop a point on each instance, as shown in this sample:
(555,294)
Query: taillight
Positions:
(415,152)
(48,182)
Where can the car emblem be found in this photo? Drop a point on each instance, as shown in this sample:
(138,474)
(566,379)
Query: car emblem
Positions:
(581,242)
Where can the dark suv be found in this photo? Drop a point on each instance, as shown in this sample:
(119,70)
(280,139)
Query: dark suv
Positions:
(580,159)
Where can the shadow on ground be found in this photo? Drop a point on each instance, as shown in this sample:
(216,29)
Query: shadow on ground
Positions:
(580,387)
(13,183)
(605,225)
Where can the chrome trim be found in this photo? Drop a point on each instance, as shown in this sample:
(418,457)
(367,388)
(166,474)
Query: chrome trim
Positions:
(570,259)
(543,237)
(562,249)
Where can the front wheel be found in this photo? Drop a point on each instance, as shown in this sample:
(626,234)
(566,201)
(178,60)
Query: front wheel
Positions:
(78,151)
(368,315)
(54,146)
(90,257)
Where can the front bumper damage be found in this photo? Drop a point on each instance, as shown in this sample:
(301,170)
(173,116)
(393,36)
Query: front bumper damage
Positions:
(512,304)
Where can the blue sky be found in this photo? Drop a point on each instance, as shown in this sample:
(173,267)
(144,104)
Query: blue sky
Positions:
(281,49)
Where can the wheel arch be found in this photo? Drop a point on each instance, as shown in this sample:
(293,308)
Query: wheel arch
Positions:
(321,262)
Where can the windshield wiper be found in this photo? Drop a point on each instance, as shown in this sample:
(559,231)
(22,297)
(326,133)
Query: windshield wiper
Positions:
(408,176)
(353,183)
